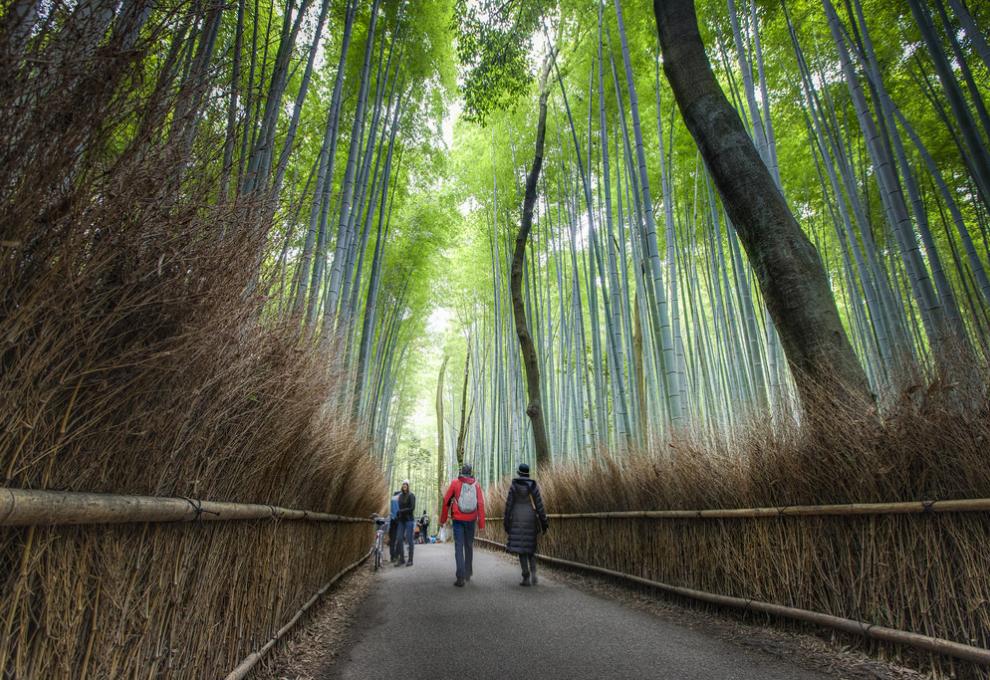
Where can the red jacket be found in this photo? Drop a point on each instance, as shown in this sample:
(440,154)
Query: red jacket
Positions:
(453,492)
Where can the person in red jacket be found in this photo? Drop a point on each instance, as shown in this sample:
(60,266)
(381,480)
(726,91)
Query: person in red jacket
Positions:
(464,494)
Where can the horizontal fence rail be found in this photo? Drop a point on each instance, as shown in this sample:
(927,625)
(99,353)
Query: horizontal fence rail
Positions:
(27,507)
(848,509)
(977,655)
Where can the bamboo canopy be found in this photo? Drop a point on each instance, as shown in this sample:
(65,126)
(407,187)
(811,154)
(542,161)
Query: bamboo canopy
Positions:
(957,650)
(903,508)
(28,507)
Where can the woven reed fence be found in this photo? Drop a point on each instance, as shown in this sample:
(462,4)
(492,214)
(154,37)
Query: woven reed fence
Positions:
(920,567)
(109,586)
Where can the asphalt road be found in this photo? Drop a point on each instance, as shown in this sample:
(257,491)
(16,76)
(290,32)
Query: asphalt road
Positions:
(415,625)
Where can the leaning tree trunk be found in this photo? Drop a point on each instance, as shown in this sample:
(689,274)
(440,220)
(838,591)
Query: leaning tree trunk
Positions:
(788,268)
(534,409)
(441,463)
(462,432)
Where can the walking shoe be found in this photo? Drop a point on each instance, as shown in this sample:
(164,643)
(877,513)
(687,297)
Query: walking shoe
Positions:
(400,563)
(409,563)
(525,581)
(533,580)
(459,583)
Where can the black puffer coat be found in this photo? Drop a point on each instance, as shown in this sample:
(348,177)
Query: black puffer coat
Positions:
(522,522)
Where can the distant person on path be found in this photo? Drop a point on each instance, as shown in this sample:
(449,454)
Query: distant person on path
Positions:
(424,527)
(469,507)
(393,527)
(407,520)
(525,517)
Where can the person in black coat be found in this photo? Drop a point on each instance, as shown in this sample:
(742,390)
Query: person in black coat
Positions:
(525,517)
(407,521)
(424,527)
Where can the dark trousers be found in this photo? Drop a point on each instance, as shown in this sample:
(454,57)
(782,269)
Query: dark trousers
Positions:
(393,528)
(405,535)
(463,548)
(528,563)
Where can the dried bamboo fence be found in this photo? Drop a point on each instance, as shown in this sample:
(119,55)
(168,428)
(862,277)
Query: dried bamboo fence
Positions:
(116,586)
(912,574)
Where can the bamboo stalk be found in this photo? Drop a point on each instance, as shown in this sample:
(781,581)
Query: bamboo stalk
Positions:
(28,507)
(903,508)
(253,658)
(957,650)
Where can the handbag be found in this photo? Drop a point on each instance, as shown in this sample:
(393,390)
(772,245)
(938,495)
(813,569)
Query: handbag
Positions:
(539,520)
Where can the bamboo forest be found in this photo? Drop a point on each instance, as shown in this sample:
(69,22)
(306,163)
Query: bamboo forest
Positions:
(711,274)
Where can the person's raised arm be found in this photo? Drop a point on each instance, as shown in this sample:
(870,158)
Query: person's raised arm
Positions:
(509,502)
(446,503)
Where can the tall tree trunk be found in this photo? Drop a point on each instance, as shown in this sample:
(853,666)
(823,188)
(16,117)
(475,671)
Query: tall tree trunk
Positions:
(892,197)
(371,304)
(363,211)
(462,432)
(638,360)
(17,24)
(441,463)
(347,183)
(188,109)
(324,178)
(235,84)
(972,30)
(290,134)
(790,273)
(978,156)
(259,163)
(671,377)
(534,409)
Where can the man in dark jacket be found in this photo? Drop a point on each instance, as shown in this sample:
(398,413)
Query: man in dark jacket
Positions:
(524,518)
(407,520)
(468,508)
(424,527)
(393,527)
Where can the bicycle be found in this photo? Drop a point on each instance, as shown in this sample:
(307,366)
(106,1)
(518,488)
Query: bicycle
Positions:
(378,547)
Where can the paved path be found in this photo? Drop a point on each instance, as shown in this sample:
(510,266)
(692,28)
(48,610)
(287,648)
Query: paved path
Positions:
(416,625)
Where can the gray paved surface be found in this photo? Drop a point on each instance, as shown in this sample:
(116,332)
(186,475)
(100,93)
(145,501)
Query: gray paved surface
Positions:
(416,625)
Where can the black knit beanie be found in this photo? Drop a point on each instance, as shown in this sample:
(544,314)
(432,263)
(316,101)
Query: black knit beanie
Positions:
(523,470)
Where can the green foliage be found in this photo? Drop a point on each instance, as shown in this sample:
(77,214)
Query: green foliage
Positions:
(494,38)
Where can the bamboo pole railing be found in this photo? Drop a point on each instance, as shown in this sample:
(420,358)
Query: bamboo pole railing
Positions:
(28,507)
(957,650)
(848,509)
(251,660)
